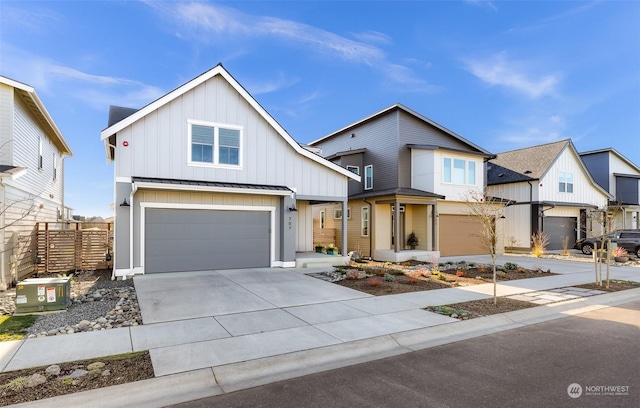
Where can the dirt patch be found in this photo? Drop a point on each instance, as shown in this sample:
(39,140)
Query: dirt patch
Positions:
(116,370)
(614,286)
(413,276)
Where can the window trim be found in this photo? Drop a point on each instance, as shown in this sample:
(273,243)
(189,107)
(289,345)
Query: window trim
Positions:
(356,168)
(323,219)
(337,214)
(368,167)
(40,157)
(55,167)
(450,175)
(216,144)
(363,218)
(562,175)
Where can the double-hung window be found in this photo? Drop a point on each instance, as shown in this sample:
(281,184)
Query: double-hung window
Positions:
(214,144)
(458,171)
(565,182)
(368,177)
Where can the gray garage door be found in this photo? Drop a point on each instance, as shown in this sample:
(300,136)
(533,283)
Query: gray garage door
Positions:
(196,240)
(559,227)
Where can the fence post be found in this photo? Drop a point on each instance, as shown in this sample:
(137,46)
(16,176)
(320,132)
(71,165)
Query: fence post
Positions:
(77,248)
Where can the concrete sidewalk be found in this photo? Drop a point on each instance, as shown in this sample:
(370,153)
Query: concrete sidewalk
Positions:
(269,325)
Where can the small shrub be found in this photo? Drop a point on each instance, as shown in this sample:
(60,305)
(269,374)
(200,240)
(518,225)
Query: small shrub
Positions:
(435,272)
(442,277)
(619,252)
(376,281)
(460,273)
(17,384)
(389,277)
(539,240)
(472,264)
(510,266)
(341,269)
(414,276)
(387,264)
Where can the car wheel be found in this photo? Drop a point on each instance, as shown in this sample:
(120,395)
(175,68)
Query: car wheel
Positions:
(587,249)
(638,252)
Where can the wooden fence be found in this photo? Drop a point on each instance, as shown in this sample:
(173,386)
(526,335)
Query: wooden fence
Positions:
(64,250)
(324,236)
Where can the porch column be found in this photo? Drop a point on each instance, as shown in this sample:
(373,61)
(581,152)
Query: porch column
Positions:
(434,226)
(396,226)
(343,250)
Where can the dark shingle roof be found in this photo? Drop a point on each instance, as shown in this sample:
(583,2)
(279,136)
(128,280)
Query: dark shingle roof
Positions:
(208,184)
(397,191)
(530,163)
(117,113)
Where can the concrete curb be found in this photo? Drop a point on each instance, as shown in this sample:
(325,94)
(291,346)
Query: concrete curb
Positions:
(208,382)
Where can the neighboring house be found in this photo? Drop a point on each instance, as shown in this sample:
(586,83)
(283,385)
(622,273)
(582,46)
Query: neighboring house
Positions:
(32,152)
(416,177)
(553,193)
(206,179)
(621,178)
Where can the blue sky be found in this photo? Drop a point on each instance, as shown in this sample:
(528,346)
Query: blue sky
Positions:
(502,74)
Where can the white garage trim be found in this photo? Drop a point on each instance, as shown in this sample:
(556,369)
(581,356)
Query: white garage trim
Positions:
(145,205)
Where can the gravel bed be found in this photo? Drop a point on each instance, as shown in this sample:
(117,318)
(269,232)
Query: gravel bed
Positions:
(98,303)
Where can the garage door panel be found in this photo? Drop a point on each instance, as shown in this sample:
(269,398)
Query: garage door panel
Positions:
(188,240)
(460,235)
(557,228)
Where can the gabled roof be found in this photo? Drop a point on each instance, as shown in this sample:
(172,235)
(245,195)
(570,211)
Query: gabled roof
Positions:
(404,191)
(36,106)
(222,72)
(529,163)
(532,163)
(418,116)
(615,152)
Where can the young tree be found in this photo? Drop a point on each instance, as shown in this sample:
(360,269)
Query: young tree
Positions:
(487,209)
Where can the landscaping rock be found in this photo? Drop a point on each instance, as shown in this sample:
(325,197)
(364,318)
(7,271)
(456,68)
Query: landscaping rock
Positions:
(52,370)
(35,380)
(95,366)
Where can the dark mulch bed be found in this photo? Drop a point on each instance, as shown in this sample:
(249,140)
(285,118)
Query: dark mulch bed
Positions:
(376,285)
(122,369)
(614,285)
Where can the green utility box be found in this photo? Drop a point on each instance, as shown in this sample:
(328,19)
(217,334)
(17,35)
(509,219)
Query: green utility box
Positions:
(42,295)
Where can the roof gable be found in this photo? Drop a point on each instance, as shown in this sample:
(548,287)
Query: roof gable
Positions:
(400,107)
(533,163)
(36,106)
(614,152)
(218,70)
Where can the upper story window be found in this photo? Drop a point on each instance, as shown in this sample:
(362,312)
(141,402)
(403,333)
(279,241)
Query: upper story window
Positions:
(565,182)
(55,167)
(354,169)
(214,144)
(368,177)
(40,158)
(458,171)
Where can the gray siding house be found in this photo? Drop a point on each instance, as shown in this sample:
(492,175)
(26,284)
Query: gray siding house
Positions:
(416,177)
(621,178)
(32,153)
(206,179)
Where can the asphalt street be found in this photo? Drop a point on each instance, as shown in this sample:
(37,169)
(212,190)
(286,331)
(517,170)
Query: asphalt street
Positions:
(588,360)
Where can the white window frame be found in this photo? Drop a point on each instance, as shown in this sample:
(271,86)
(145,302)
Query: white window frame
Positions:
(563,182)
(337,214)
(450,175)
(365,224)
(348,213)
(368,186)
(216,145)
(354,169)
(40,157)
(323,219)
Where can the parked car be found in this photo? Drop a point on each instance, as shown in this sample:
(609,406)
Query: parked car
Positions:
(627,239)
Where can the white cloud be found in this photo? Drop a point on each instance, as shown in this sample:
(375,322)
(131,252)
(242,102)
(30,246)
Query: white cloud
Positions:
(272,85)
(212,22)
(515,75)
(99,91)
(483,3)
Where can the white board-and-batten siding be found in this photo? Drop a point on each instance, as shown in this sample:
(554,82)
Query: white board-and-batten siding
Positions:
(158,145)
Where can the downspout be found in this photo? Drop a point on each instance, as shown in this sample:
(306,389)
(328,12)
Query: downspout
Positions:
(531,206)
(133,191)
(370,228)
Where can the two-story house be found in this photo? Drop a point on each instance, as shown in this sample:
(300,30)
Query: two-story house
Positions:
(553,193)
(621,178)
(417,177)
(206,179)
(32,153)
